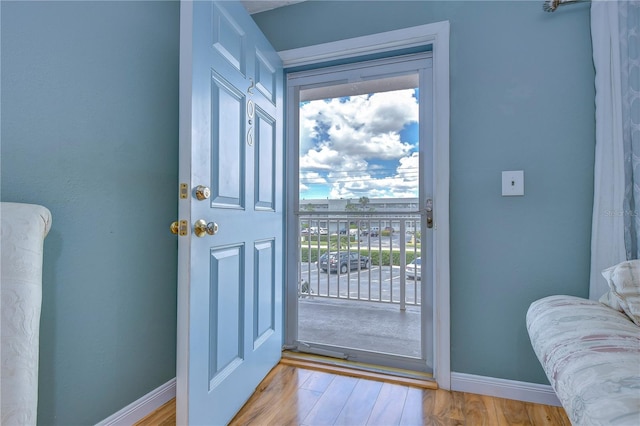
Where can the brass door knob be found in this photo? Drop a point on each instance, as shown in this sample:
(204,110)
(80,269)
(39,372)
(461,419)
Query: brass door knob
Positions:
(202,192)
(202,228)
(179,228)
(175,226)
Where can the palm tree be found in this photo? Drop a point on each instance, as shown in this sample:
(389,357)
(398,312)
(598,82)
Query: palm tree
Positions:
(363,202)
(350,207)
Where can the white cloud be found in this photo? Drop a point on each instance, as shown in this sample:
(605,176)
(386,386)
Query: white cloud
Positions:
(388,109)
(312,178)
(340,138)
(363,126)
(403,182)
(323,159)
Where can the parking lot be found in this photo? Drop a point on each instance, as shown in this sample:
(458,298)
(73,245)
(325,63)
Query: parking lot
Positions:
(376,283)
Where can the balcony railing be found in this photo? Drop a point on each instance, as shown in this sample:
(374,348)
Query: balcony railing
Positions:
(361,257)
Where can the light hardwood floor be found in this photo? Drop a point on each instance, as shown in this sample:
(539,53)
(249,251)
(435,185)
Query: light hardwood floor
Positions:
(297,396)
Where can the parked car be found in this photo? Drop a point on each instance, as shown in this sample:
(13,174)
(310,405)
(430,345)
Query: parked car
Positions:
(413,269)
(343,262)
(350,232)
(374,231)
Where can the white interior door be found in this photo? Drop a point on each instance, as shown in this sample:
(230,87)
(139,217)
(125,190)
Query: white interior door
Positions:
(230,277)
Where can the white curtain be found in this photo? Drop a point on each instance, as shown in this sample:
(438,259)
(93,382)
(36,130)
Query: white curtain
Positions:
(615,33)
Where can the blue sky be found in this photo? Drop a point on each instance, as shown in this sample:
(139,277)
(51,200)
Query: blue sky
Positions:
(358,146)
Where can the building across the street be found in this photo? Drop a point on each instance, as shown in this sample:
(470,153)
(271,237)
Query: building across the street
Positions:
(343,214)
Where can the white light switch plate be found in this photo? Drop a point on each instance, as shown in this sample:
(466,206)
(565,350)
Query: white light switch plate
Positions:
(513,183)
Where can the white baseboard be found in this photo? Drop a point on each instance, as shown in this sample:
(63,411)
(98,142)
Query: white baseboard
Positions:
(503,388)
(142,407)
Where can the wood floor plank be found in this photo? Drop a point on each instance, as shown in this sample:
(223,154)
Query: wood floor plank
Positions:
(477,411)
(387,410)
(492,416)
(305,402)
(294,396)
(280,383)
(412,413)
(303,375)
(443,409)
(435,409)
(545,415)
(358,407)
(457,406)
(511,412)
(165,415)
(561,414)
(265,407)
(318,381)
(332,401)
(445,405)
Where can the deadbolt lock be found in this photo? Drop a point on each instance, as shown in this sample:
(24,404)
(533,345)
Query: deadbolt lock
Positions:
(202,192)
(202,228)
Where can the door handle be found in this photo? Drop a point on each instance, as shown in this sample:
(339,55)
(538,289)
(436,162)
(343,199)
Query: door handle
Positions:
(202,228)
(179,228)
(429,211)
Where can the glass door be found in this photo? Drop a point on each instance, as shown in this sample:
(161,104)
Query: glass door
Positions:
(362,162)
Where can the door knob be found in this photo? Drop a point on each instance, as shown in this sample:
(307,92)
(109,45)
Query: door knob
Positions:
(202,228)
(179,228)
(202,192)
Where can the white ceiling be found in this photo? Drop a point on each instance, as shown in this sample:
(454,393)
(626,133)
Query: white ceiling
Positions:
(257,6)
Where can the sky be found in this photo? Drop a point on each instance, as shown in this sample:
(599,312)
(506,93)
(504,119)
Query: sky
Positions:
(359,146)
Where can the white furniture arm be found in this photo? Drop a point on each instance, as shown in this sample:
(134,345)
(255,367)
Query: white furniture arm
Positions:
(24,227)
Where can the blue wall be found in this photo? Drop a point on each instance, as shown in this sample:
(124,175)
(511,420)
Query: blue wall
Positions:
(90,130)
(522,98)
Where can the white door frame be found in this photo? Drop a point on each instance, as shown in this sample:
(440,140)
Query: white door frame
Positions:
(436,35)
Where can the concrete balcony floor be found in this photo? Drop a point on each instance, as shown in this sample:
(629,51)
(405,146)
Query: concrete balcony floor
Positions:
(371,326)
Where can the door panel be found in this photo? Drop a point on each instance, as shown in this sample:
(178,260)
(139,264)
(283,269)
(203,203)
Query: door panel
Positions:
(228,177)
(228,38)
(264,312)
(265,161)
(227,312)
(265,76)
(230,282)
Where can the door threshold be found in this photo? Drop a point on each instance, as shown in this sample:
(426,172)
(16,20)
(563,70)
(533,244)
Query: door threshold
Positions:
(359,370)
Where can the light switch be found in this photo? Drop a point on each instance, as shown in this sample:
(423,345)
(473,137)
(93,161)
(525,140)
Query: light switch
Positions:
(513,183)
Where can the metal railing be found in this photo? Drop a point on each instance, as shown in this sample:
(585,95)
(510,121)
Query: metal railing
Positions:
(360,257)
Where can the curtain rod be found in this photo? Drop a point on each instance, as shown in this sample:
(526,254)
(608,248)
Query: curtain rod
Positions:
(552,5)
